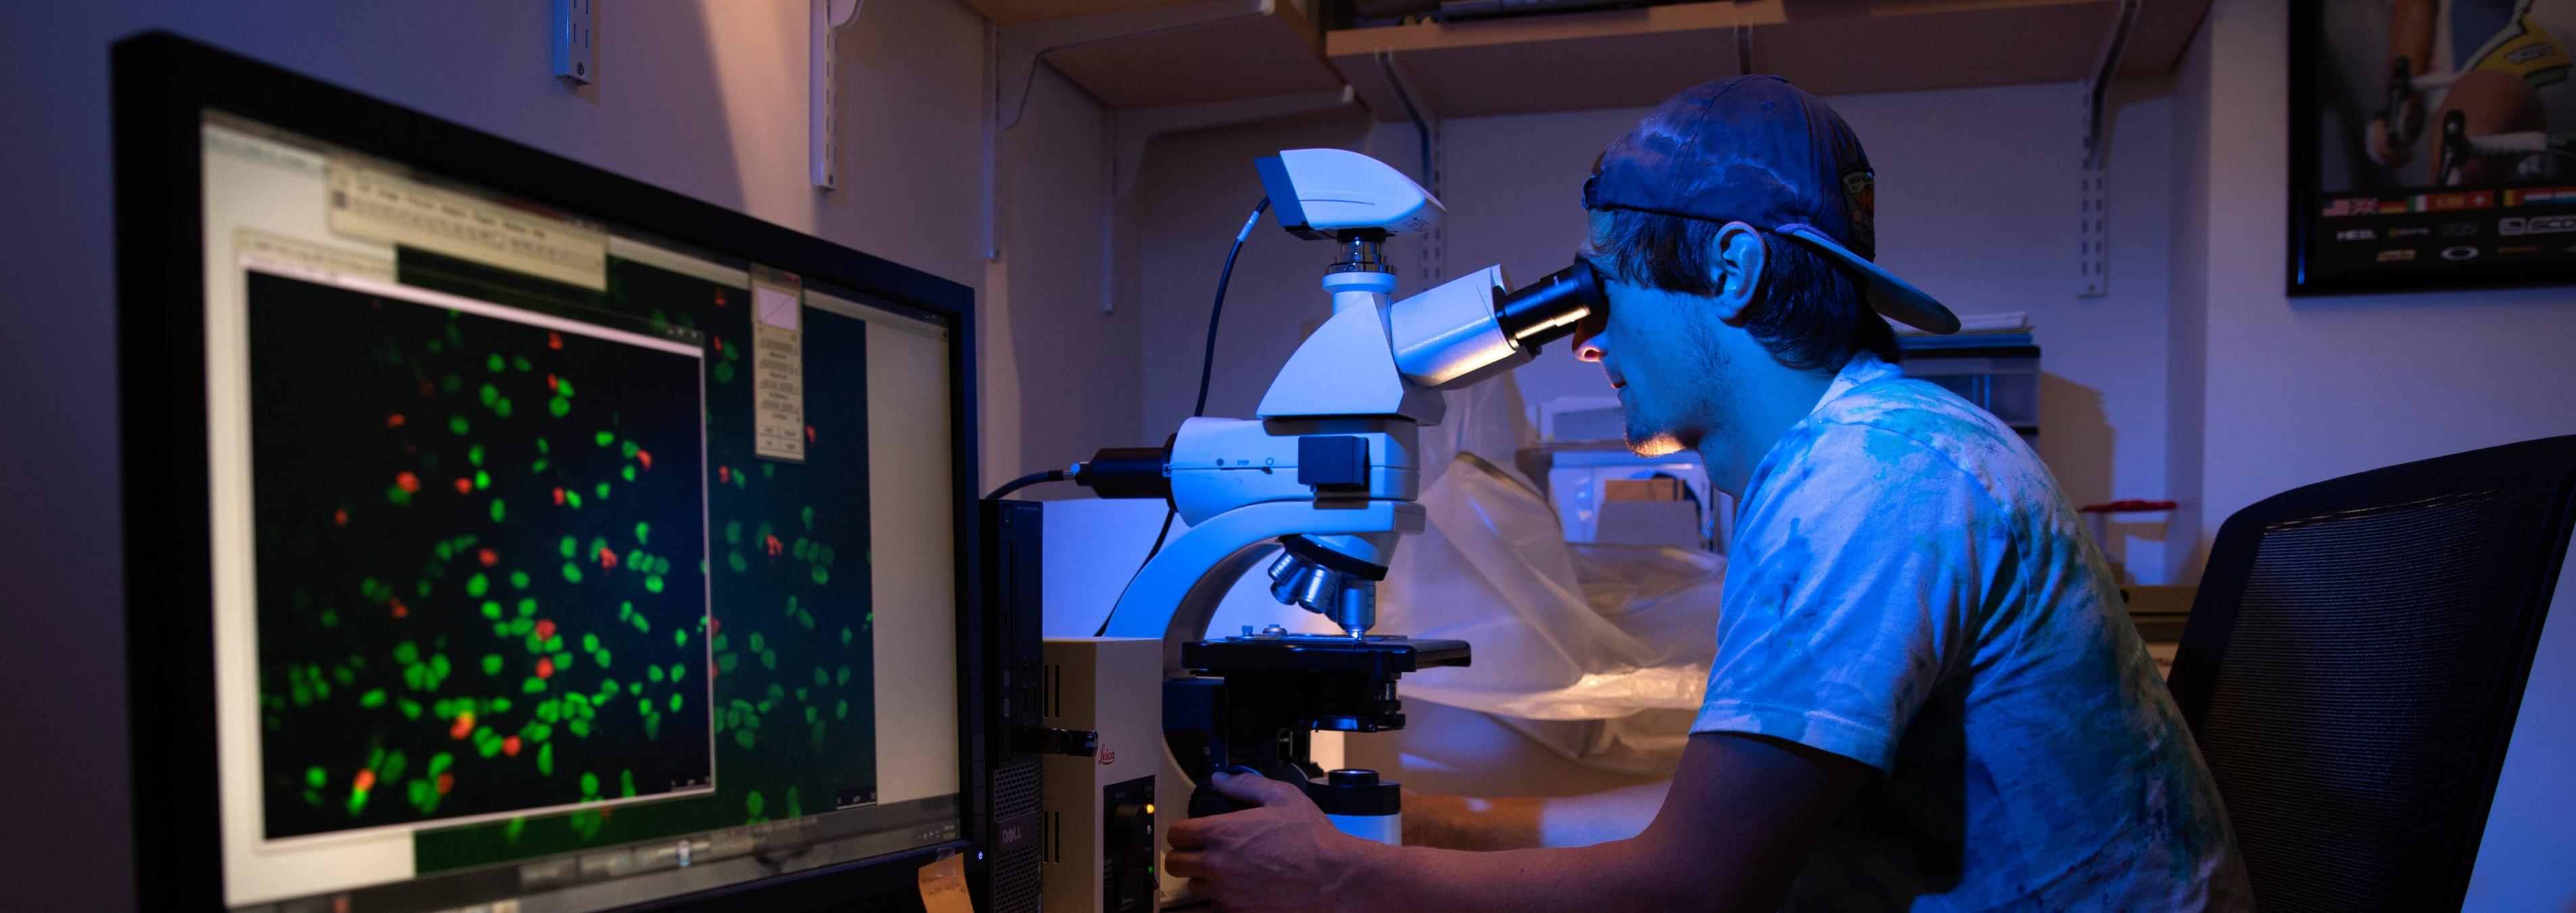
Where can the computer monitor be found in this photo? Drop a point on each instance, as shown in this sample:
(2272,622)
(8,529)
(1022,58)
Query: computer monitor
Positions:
(505,534)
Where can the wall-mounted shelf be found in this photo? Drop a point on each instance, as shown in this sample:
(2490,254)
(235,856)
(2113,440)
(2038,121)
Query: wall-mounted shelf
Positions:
(1637,58)
(1154,53)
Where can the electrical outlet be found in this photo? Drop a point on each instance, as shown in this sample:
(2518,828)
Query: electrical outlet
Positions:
(572,28)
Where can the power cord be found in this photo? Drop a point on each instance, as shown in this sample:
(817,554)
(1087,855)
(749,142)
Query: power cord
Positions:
(1207,366)
(1034,478)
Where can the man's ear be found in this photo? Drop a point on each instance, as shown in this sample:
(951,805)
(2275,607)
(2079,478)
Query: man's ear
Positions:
(1736,270)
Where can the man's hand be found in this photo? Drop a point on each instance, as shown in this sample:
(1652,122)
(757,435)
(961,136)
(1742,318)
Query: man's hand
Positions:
(1282,855)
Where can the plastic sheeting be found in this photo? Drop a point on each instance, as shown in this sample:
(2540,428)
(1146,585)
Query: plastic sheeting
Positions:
(1598,652)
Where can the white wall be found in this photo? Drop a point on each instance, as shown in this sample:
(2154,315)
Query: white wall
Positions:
(705,97)
(2294,391)
(1976,203)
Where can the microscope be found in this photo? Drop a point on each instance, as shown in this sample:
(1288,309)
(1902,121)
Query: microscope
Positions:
(1320,485)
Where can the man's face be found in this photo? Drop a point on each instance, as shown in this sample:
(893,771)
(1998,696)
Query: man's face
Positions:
(1657,348)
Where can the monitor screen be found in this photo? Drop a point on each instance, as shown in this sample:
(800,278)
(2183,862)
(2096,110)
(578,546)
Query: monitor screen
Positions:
(545,550)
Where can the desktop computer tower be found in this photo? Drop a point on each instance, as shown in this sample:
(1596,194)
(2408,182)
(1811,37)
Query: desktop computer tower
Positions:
(1011,562)
(1104,694)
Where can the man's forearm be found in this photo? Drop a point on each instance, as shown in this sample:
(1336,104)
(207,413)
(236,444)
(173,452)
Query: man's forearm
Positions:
(1621,875)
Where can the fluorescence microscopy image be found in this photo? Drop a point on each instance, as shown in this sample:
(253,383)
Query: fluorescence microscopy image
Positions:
(793,633)
(480,553)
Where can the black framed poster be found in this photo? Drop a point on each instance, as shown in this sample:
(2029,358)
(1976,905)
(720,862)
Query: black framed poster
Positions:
(2433,144)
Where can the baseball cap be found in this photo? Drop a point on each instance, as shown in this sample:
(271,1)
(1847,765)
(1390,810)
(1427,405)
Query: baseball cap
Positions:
(1757,150)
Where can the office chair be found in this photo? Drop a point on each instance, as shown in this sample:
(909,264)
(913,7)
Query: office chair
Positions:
(2353,664)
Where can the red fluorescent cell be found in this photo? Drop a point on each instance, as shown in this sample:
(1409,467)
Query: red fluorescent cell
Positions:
(510,746)
(607,559)
(645,457)
(487,557)
(545,629)
(464,726)
(559,497)
(551,383)
(446,782)
(395,419)
(724,473)
(715,626)
(428,390)
(809,434)
(720,298)
(554,340)
(464,485)
(717,342)
(400,610)
(366,781)
(407,482)
(340,517)
(774,545)
(545,667)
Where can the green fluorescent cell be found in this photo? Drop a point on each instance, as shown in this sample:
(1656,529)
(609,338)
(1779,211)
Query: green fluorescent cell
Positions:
(518,579)
(538,466)
(678,671)
(758,643)
(642,626)
(503,408)
(533,685)
(644,707)
(813,714)
(809,518)
(590,643)
(642,531)
(723,641)
(725,662)
(410,709)
(315,776)
(374,698)
(769,659)
(546,760)
(743,737)
(753,803)
(458,424)
(573,498)
(842,677)
(724,372)
(490,394)
(571,572)
(635,690)
(679,637)
(802,693)
(737,562)
(440,762)
(602,657)
(580,728)
(821,575)
(626,783)
(497,510)
(841,710)
(653,727)
(397,497)
(491,664)
(845,636)
(563,385)
(450,384)
(821,677)
(563,661)
(555,645)
(474,455)
(330,618)
(653,674)
(627,473)
(491,610)
(675,702)
(601,490)
(653,583)
(543,447)
(768,470)
(733,532)
(604,438)
(482,479)
(628,449)
(406,652)
(493,363)
(559,406)
(522,363)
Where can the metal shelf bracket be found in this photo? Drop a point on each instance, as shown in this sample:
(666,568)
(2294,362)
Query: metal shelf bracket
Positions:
(2093,217)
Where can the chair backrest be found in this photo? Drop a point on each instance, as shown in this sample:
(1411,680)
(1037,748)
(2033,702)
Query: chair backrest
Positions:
(2353,664)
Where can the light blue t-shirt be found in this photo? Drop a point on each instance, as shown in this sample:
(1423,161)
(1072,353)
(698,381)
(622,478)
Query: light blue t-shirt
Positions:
(1908,588)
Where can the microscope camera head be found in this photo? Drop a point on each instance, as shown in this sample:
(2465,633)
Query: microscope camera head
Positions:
(1336,194)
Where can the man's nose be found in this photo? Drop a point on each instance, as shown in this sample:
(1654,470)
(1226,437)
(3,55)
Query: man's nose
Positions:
(1588,344)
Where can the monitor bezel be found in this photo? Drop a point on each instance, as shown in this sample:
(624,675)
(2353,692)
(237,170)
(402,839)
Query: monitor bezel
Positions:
(162,87)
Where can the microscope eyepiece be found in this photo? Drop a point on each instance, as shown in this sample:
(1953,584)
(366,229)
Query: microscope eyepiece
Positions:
(1547,310)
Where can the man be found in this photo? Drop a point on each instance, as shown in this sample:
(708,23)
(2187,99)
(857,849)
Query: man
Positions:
(1926,694)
